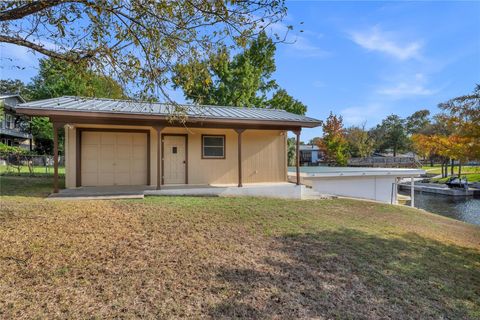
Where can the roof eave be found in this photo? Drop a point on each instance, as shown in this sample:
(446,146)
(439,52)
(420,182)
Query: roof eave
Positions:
(71,115)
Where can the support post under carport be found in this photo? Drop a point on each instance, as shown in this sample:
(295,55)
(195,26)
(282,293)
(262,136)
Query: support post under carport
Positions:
(297,153)
(159,156)
(412,192)
(239,133)
(56,126)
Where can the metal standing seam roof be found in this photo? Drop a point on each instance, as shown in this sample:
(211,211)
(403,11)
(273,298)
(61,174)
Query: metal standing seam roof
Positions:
(111,106)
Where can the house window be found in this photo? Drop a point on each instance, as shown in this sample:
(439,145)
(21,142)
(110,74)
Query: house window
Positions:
(213,147)
(306,156)
(9,123)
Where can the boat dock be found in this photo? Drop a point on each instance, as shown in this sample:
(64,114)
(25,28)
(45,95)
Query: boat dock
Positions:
(440,189)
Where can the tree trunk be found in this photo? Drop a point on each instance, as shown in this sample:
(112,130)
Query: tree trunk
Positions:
(394,151)
(452,164)
(459,168)
(445,164)
(443,168)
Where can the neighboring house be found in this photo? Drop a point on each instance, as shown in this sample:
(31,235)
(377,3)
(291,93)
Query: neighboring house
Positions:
(114,142)
(309,155)
(13,128)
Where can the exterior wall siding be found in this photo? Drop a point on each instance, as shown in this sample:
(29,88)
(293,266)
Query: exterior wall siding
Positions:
(263,155)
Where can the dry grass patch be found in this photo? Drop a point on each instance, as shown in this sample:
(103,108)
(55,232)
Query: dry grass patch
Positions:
(183,257)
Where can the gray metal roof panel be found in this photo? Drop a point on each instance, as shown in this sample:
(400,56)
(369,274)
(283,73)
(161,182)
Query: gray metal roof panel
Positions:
(69,103)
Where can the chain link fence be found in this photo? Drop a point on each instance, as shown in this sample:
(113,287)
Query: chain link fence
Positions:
(29,165)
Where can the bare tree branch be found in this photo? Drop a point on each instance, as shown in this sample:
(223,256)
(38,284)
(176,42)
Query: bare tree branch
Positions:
(28,9)
(70,56)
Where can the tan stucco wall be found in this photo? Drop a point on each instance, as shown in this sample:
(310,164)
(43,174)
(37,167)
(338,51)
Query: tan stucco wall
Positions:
(263,154)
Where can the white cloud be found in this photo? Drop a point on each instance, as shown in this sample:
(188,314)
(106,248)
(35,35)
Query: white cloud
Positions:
(305,48)
(358,115)
(318,84)
(412,86)
(298,44)
(375,39)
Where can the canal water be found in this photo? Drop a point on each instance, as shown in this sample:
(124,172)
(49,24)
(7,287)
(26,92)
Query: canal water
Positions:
(465,209)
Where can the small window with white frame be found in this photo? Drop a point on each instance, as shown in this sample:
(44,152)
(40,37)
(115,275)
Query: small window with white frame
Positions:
(9,121)
(213,147)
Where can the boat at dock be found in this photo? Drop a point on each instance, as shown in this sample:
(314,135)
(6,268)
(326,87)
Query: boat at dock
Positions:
(440,189)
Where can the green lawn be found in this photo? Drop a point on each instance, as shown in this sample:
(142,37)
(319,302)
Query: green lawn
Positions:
(255,258)
(436,169)
(24,171)
(471,172)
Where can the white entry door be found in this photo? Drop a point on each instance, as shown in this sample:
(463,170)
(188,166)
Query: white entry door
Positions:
(113,158)
(174,159)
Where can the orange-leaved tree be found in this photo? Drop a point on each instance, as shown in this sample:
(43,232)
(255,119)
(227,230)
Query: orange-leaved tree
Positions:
(462,115)
(333,144)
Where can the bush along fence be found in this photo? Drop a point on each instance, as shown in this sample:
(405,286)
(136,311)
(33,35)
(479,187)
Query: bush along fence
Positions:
(22,162)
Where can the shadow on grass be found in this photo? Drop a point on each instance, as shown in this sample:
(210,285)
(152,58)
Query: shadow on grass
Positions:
(354,275)
(27,186)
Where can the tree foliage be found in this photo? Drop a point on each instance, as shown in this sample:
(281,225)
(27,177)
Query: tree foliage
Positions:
(333,144)
(16,157)
(58,78)
(455,133)
(291,151)
(462,114)
(136,42)
(244,80)
(282,100)
(15,86)
(418,122)
(360,142)
(391,135)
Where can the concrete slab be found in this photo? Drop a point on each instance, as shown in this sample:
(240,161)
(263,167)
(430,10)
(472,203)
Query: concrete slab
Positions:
(271,190)
(283,190)
(117,197)
(107,192)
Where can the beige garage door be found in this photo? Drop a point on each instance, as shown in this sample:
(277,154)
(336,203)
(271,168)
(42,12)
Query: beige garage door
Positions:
(113,158)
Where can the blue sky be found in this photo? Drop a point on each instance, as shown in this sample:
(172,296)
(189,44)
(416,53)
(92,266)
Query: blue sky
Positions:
(363,60)
(366,60)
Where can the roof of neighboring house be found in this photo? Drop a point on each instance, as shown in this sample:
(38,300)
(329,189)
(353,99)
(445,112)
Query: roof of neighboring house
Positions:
(306,147)
(70,106)
(6,96)
(9,106)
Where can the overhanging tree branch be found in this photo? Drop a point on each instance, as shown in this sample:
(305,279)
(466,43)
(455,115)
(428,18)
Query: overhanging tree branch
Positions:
(69,57)
(28,9)
(136,42)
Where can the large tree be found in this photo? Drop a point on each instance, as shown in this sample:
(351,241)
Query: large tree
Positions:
(244,79)
(462,114)
(455,134)
(136,42)
(14,86)
(391,135)
(57,78)
(418,122)
(360,142)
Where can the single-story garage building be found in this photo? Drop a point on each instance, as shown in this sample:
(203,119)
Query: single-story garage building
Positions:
(120,142)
